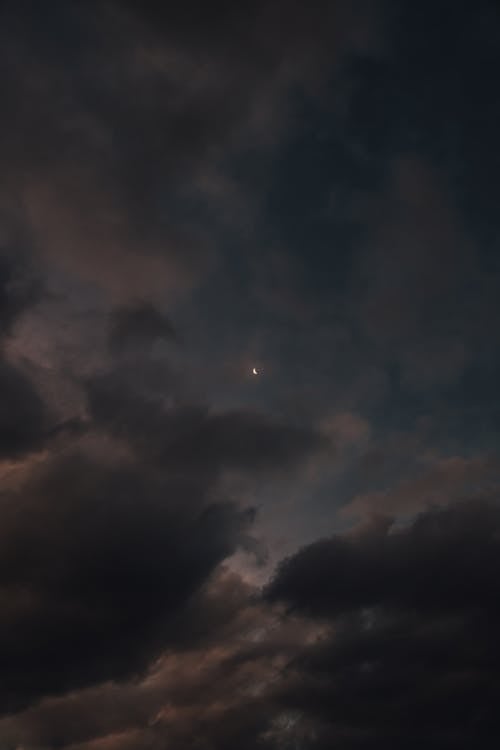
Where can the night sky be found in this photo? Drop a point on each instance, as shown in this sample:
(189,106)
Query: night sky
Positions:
(249,371)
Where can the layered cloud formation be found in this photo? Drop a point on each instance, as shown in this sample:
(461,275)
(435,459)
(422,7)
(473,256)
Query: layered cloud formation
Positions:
(194,556)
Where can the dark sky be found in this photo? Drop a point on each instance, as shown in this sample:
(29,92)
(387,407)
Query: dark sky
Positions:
(197,555)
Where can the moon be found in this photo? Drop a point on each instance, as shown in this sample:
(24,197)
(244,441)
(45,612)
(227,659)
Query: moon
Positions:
(255,371)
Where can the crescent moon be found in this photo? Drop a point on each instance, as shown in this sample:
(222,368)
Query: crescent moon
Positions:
(255,371)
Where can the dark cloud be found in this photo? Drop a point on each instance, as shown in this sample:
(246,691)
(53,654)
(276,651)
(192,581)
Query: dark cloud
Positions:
(393,568)
(139,326)
(134,113)
(103,550)
(25,422)
(404,650)
(412,653)
(18,292)
(219,691)
(94,562)
(309,190)
(195,438)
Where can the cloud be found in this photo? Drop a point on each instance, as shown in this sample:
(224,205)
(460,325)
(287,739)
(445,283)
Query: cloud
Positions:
(139,110)
(394,639)
(442,482)
(216,687)
(190,437)
(393,568)
(106,548)
(421,291)
(25,422)
(19,290)
(411,653)
(139,326)
(94,561)
(251,172)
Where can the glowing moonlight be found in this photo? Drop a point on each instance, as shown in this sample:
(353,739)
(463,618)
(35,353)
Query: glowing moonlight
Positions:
(255,371)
